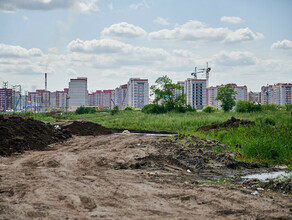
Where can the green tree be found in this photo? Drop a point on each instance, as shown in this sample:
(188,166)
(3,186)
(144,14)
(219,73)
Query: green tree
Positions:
(226,95)
(163,91)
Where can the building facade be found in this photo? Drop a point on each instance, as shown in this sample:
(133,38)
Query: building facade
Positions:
(241,95)
(78,94)
(6,99)
(279,94)
(196,92)
(120,95)
(137,94)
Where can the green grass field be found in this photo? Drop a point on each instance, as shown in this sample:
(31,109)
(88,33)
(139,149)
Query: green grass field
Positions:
(269,141)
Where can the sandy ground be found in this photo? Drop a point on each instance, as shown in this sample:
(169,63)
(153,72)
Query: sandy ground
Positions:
(96,178)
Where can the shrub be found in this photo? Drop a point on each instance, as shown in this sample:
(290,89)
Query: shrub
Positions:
(153,109)
(209,109)
(84,110)
(190,108)
(129,108)
(115,110)
(246,106)
(265,120)
(288,107)
(270,107)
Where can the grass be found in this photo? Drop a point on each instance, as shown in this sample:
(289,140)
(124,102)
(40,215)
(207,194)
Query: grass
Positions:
(269,141)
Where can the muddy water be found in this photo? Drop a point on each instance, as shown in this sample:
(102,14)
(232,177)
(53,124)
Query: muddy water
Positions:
(265,176)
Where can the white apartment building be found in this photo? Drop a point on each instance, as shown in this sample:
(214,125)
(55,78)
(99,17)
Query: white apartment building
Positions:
(137,92)
(213,90)
(279,94)
(78,92)
(120,96)
(195,89)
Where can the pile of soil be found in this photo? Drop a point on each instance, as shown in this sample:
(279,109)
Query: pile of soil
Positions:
(188,153)
(18,134)
(85,128)
(231,123)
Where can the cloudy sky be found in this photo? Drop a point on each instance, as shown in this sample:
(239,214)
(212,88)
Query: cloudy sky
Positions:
(247,42)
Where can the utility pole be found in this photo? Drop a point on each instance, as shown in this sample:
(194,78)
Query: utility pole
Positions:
(67,98)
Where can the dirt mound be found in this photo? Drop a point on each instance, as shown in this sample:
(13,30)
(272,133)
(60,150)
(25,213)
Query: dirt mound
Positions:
(85,128)
(231,123)
(18,134)
(187,153)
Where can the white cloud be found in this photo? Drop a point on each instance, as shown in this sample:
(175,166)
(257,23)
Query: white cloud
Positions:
(233,20)
(107,53)
(162,21)
(242,35)
(123,30)
(197,31)
(110,6)
(17,51)
(139,5)
(46,5)
(97,46)
(284,44)
(235,58)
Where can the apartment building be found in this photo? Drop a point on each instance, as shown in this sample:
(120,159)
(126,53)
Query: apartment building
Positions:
(39,98)
(254,97)
(241,94)
(120,96)
(78,93)
(195,90)
(177,92)
(106,102)
(137,92)
(6,99)
(279,94)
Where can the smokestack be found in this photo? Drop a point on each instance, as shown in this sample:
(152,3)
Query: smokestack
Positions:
(46,81)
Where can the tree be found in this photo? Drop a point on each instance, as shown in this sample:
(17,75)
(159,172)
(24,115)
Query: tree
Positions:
(163,91)
(226,95)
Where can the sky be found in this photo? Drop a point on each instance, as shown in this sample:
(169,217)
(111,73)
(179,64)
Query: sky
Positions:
(247,42)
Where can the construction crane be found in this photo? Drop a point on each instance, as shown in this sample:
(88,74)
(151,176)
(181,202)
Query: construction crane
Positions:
(204,70)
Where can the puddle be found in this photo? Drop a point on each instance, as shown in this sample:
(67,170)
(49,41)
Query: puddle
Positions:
(264,176)
(146,134)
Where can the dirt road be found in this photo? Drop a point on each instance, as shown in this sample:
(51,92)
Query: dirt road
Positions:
(122,177)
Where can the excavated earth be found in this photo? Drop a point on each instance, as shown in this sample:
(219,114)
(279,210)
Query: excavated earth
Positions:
(231,123)
(122,176)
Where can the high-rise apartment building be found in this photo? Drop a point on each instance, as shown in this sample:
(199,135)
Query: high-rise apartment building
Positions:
(241,94)
(279,94)
(120,96)
(137,92)
(195,90)
(6,99)
(40,98)
(78,94)
(254,97)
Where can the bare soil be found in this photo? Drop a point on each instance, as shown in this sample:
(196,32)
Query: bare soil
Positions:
(120,176)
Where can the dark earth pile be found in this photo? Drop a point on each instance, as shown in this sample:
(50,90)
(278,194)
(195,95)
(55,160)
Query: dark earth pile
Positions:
(231,123)
(85,128)
(18,134)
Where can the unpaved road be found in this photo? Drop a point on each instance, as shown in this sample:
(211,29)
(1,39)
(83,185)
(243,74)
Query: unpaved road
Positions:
(99,178)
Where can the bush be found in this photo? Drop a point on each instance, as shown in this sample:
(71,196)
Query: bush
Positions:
(209,109)
(246,106)
(288,107)
(129,108)
(153,109)
(190,108)
(271,107)
(265,121)
(84,110)
(115,110)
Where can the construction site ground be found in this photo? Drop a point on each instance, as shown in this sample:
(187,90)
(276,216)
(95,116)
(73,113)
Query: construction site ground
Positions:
(119,176)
